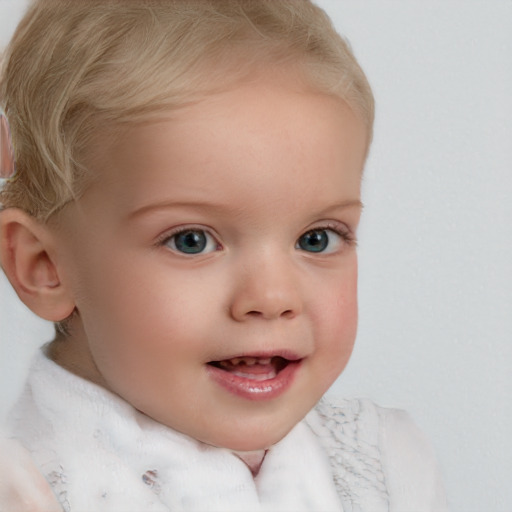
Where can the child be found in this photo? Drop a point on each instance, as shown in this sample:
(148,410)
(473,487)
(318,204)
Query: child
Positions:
(185,208)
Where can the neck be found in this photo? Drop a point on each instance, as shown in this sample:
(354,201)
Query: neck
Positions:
(253,459)
(72,353)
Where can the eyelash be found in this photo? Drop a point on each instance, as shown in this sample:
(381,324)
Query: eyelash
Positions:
(346,235)
(344,232)
(164,239)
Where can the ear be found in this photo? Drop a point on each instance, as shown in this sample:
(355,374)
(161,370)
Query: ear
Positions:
(26,257)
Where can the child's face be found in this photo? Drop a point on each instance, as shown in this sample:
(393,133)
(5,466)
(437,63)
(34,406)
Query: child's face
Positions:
(223,231)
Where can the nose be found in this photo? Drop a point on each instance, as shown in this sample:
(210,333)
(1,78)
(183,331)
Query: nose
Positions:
(267,288)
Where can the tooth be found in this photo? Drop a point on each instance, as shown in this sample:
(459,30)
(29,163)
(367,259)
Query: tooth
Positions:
(247,361)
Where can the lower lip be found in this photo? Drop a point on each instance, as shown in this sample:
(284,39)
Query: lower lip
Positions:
(251,389)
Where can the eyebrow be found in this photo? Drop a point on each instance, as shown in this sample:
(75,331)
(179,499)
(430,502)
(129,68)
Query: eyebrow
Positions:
(165,205)
(351,203)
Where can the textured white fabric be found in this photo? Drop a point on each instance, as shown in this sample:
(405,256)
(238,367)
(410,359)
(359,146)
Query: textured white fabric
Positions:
(349,432)
(409,463)
(100,454)
(380,459)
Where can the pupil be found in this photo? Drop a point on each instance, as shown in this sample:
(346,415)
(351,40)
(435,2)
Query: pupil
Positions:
(314,241)
(190,242)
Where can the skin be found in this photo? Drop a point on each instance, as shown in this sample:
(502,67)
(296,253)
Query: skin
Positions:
(22,487)
(255,168)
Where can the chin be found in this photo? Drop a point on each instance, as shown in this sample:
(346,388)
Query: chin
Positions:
(249,438)
(247,445)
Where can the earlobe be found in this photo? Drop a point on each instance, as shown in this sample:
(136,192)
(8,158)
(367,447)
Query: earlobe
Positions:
(26,257)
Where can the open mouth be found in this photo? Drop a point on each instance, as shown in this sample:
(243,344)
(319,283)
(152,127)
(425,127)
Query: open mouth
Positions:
(256,377)
(254,368)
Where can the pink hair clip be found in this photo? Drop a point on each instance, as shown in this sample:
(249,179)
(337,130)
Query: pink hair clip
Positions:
(7,164)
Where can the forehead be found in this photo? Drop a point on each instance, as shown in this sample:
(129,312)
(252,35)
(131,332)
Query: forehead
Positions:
(265,135)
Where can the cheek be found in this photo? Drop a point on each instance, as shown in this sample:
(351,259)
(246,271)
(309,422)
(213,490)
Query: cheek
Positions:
(337,321)
(338,303)
(149,309)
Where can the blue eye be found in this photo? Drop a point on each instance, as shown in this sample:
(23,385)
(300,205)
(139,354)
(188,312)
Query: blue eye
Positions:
(192,241)
(320,241)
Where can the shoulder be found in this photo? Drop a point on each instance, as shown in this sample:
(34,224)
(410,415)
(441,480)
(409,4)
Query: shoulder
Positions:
(79,436)
(411,468)
(386,446)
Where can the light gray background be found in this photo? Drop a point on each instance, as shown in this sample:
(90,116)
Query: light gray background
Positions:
(435,240)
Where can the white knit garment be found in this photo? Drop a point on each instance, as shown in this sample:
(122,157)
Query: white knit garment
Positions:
(100,454)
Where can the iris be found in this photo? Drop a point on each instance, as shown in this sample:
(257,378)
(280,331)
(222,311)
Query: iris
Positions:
(315,240)
(191,241)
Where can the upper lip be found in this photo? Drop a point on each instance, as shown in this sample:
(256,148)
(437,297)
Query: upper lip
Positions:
(266,354)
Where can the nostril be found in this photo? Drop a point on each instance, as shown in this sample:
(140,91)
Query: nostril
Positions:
(288,313)
(254,313)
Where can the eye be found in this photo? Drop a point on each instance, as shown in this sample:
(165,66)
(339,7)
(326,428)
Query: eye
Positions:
(322,240)
(191,241)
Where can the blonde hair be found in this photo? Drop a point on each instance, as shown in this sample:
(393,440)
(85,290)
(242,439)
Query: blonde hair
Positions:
(77,68)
